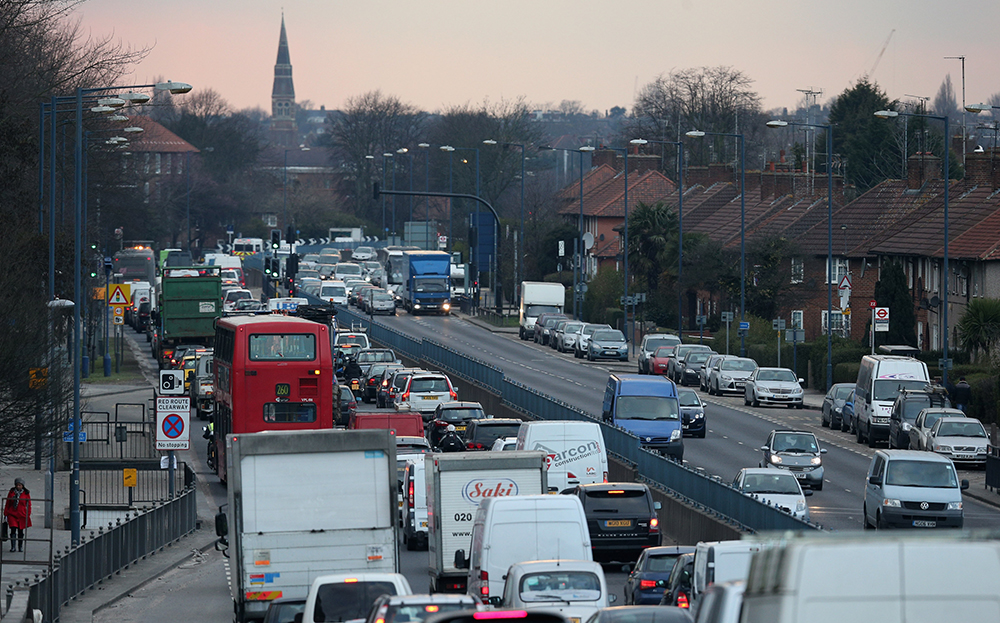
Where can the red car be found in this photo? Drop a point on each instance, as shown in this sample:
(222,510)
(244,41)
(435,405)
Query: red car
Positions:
(658,362)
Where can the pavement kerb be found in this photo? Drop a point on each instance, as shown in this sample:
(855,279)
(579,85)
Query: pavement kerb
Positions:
(78,610)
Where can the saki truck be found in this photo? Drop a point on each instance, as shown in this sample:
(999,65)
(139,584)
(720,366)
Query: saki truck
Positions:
(456,483)
(426,281)
(283,530)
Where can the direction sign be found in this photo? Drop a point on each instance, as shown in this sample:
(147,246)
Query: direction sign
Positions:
(778,324)
(171,382)
(795,335)
(727,316)
(68,436)
(744,326)
(881,319)
(845,282)
(173,415)
(119,293)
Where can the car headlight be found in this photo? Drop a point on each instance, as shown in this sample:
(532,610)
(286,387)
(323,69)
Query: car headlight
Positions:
(416,306)
(775,459)
(891,502)
(837,409)
(725,377)
(675,434)
(816,460)
(954,506)
(940,448)
(797,392)
(762,390)
(906,426)
(446,306)
(800,506)
(698,415)
(691,371)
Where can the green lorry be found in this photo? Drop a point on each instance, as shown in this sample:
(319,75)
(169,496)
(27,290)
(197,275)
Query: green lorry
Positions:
(189,300)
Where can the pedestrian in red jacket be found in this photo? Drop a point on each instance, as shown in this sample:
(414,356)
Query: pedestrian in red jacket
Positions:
(17,513)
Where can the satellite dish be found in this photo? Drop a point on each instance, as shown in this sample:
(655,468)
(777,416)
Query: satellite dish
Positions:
(588,241)
(935,301)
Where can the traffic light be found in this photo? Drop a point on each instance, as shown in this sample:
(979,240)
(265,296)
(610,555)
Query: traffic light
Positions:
(275,268)
(290,235)
(275,239)
(268,272)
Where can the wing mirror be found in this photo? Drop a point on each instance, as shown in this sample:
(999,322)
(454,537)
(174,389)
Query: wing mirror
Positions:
(807,492)
(495,601)
(822,450)
(875,481)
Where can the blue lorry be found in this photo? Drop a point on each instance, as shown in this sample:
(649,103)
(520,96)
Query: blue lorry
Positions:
(426,285)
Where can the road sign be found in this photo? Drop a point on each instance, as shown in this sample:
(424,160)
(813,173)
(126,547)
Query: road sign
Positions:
(778,324)
(173,415)
(845,282)
(881,319)
(727,316)
(562,248)
(130,477)
(119,320)
(118,310)
(701,321)
(744,326)
(171,382)
(872,303)
(119,293)
(846,311)
(945,364)
(38,378)
(795,336)
(68,436)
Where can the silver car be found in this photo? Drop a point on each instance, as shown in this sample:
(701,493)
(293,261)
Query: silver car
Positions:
(797,452)
(607,344)
(730,374)
(381,302)
(580,350)
(773,386)
(961,439)
(566,339)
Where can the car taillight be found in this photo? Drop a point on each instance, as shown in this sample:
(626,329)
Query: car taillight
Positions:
(682,600)
(605,476)
(484,588)
(475,446)
(454,395)
(385,383)
(441,424)
(409,495)
(644,584)
(371,381)
(405,397)
(654,525)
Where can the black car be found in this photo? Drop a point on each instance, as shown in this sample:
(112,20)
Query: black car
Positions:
(690,373)
(621,518)
(480,434)
(909,403)
(284,609)
(383,385)
(371,380)
(678,591)
(651,575)
(457,413)
(348,403)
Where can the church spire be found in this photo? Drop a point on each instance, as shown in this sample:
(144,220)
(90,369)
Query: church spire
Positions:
(283,130)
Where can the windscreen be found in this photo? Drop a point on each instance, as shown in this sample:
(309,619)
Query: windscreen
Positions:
(842,393)
(461,415)
(652,343)
(777,483)
(609,336)
(433,384)
(972,428)
(572,328)
(338,291)
(794,442)
(697,358)
(431,285)
(913,405)
(664,352)
(626,501)
(888,389)
(739,365)
(290,412)
(783,376)
(560,587)
(647,408)
(348,600)
(282,347)
(688,398)
(416,613)
(920,474)
(488,433)
(534,311)
(348,269)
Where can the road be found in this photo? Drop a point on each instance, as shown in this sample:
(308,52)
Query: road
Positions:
(735,432)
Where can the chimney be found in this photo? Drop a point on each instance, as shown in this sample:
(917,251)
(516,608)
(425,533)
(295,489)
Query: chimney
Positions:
(767,184)
(920,168)
(605,156)
(981,168)
(783,184)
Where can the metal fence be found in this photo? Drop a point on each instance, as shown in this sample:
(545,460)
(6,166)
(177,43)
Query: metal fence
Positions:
(993,467)
(102,483)
(110,438)
(106,552)
(694,487)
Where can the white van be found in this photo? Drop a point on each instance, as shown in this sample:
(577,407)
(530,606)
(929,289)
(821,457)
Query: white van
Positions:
(720,561)
(508,530)
(575,453)
(879,380)
(894,578)
(347,270)
(414,503)
(349,596)
(333,292)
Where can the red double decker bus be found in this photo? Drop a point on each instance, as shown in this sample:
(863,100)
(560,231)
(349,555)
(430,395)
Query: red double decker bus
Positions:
(271,373)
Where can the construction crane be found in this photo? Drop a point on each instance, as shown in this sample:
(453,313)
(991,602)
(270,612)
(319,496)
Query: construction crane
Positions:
(881,52)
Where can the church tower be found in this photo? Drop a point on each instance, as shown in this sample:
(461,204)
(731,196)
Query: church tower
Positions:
(283,129)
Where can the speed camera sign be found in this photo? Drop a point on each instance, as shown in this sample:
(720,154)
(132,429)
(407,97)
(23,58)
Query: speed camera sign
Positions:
(171,382)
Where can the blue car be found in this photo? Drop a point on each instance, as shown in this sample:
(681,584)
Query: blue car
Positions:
(648,408)
(651,575)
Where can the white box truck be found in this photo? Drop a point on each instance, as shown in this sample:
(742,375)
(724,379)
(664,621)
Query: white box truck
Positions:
(289,522)
(537,298)
(456,483)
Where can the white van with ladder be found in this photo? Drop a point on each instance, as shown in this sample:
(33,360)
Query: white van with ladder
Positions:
(879,380)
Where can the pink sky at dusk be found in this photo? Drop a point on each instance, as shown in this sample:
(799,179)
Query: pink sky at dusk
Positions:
(440,53)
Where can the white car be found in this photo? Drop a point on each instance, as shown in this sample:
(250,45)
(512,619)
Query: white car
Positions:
(333,292)
(774,488)
(504,443)
(576,589)
(773,386)
(730,374)
(236,294)
(363,254)
(921,428)
(961,439)
(425,391)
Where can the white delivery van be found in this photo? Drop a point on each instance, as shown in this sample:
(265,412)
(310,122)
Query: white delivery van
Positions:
(537,298)
(414,503)
(879,380)
(892,578)
(575,453)
(508,530)
(349,596)
(720,561)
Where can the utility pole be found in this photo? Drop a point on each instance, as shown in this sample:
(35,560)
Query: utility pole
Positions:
(947,139)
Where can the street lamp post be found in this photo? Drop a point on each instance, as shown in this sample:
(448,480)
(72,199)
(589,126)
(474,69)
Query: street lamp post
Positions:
(472,259)
(743,226)
(517,290)
(427,188)
(450,151)
(402,151)
(890,114)
(284,186)
(624,248)
(829,239)
(385,230)
(680,226)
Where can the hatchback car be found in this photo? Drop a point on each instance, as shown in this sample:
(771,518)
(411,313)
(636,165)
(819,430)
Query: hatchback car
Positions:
(284,609)
(961,439)
(348,404)
(607,344)
(416,608)
(456,413)
(555,334)
(692,413)
(679,589)
(908,404)
(774,386)
(580,350)
(730,374)
(481,434)
(694,362)
(651,574)
(382,303)
(797,452)
(621,517)
(659,361)
(382,390)
(773,488)
(675,366)
(643,614)
(425,392)
(922,426)
(544,325)
(568,337)
(833,405)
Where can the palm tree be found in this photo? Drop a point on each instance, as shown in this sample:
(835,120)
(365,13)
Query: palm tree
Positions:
(979,329)
(652,232)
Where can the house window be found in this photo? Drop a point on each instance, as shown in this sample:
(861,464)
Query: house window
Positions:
(797,319)
(798,270)
(909,273)
(145,191)
(920,335)
(169,164)
(841,266)
(271,220)
(935,337)
(145,163)
(157,163)
(840,323)
(936,277)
